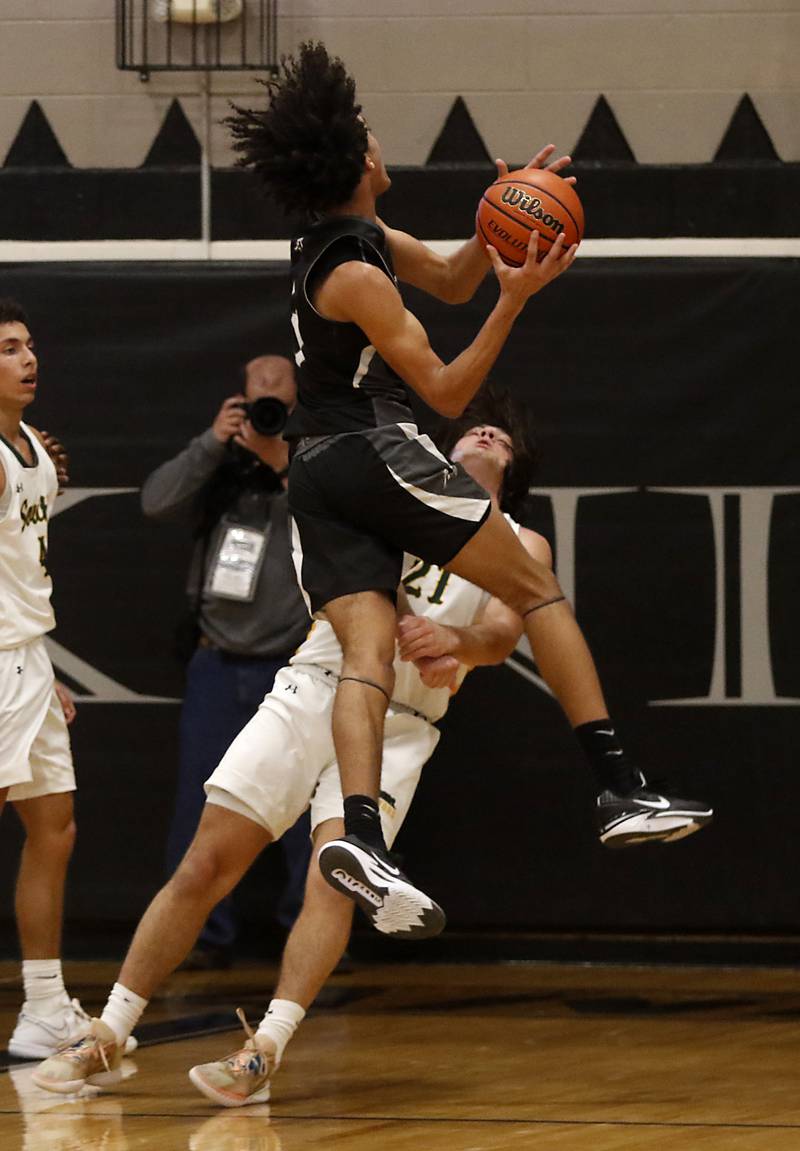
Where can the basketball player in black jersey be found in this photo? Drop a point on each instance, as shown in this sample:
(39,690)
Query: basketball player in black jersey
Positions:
(364,485)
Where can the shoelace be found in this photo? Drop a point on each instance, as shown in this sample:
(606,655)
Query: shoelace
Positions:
(89,1045)
(250,1045)
(78,1012)
(661,786)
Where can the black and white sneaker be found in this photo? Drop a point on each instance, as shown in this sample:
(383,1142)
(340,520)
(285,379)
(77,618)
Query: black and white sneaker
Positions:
(645,816)
(368,876)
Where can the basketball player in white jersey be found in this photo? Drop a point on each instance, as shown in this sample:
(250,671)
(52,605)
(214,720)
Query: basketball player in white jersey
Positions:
(36,773)
(283,761)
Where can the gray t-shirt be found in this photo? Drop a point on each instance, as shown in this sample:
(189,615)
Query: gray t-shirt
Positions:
(276,620)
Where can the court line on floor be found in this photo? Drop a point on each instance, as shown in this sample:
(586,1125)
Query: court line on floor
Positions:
(456,1120)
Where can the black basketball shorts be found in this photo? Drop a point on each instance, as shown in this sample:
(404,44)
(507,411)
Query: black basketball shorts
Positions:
(359,500)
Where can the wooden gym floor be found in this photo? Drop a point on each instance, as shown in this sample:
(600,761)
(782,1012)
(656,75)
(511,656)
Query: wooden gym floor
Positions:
(449,1058)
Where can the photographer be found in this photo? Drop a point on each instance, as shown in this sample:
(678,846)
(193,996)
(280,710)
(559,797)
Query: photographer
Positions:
(246,613)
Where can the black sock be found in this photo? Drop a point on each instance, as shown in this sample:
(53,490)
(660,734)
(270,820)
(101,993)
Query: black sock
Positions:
(362,818)
(610,768)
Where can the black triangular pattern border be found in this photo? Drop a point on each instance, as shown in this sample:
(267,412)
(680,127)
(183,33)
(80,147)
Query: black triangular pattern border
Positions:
(602,141)
(36,144)
(161,198)
(459,141)
(175,145)
(746,138)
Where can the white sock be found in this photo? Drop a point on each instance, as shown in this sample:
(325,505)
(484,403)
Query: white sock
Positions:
(282,1019)
(122,1011)
(45,993)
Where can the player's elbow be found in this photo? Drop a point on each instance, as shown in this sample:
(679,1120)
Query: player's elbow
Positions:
(443,406)
(506,644)
(500,653)
(460,293)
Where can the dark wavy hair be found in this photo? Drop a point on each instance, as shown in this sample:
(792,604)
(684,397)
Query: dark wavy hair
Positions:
(496,406)
(11,312)
(308,145)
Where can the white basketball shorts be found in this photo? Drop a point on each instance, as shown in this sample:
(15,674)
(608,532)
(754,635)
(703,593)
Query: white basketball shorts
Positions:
(284,759)
(35,755)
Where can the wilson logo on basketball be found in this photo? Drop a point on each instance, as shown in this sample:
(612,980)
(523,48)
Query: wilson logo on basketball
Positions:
(531,206)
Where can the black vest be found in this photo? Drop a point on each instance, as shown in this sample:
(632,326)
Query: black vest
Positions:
(343,384)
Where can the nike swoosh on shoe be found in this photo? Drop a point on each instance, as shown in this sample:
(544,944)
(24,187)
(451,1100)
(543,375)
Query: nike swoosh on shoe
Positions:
(661,804)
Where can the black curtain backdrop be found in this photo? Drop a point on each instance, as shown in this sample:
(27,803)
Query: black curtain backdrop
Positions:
(641,375)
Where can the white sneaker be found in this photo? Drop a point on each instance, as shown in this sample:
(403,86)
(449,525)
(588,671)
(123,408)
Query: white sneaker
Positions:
(94,1058)
(38,1036)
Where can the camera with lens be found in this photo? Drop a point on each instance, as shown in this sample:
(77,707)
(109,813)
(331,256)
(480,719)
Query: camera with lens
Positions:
(267,414)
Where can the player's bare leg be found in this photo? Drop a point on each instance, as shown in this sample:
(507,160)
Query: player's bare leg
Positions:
(628,811)
(315,945)
(365,626)
(223,848)
(48,1017)
(319,937)
(495,560)
(39,898)
(358,864)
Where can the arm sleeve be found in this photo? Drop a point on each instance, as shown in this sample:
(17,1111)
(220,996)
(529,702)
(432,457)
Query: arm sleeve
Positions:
(171,490)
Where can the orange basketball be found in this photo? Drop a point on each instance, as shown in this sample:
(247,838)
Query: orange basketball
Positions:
(531,199)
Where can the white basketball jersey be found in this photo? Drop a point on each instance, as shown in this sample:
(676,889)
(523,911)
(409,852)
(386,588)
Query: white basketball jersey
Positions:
(432,592)
(25,507)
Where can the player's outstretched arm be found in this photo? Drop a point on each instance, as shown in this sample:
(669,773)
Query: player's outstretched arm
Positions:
(454,278)
(363,295)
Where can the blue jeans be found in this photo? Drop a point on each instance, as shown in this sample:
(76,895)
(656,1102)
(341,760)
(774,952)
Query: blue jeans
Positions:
(222,694)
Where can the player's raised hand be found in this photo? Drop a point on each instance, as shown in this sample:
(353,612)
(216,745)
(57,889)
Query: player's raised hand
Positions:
(519,284)
(542,159)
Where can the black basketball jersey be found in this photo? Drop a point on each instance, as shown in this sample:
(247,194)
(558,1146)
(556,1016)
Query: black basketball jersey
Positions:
(343,384)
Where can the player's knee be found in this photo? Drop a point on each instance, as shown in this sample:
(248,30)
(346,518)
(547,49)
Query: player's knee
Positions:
(200,874)
(371,667)
(61,840)
(322,899)
(68,836)
(55,840)
(542,585)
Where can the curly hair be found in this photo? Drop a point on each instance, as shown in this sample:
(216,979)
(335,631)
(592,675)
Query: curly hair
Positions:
(497,407)
(11,312)
(308,145)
